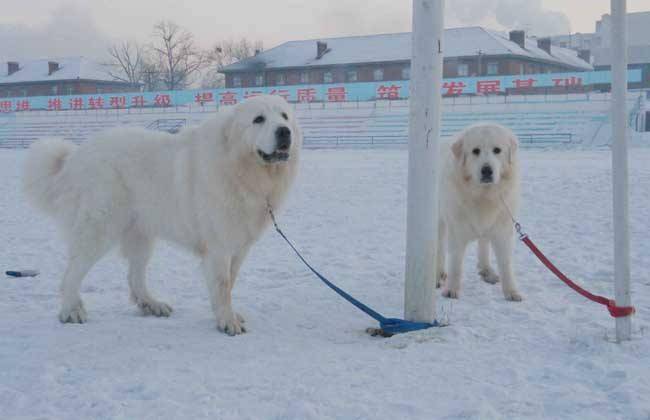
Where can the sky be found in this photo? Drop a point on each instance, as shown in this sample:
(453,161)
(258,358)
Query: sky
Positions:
(38,29)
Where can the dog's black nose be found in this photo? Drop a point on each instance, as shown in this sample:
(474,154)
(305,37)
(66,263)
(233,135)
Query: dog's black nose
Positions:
(283,137)
(486,172)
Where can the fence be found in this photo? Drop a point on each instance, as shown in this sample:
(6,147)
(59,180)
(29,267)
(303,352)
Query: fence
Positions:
(170,125)
(333,142)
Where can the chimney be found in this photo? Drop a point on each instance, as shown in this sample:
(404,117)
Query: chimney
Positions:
(585,55)
(519,38)
(544,44)
(12,67)
(321,49)
(52,66)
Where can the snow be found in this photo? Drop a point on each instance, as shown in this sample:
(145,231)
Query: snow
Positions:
(458,42)
(307,355)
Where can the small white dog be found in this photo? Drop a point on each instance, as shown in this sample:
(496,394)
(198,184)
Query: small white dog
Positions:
(205,188)
(480,178)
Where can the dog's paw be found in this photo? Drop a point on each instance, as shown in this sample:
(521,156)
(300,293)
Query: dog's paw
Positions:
(74,315)
(451,293)
(153,307)
(231,324)
(240,318)
(513,296)
(441,279)
(489,276)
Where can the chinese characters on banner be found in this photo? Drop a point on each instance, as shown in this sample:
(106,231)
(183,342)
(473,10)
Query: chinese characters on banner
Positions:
(338,92)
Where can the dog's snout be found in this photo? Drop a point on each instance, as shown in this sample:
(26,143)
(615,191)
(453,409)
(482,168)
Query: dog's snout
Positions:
(283,137)
(487,174)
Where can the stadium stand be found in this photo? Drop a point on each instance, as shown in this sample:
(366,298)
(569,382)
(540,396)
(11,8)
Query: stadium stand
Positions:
(371,124)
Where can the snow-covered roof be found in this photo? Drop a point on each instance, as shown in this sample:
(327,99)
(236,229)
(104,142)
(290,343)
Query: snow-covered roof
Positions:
(70,68)
(458,42)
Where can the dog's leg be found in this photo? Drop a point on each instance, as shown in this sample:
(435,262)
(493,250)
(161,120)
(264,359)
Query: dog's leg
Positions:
(85,250)
(456,255)
(484,268)
(137,248)
(235,265)
(218,271)
(503,244)
(442,253)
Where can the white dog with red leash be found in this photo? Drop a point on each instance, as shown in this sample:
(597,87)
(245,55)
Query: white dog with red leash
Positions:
(478,190)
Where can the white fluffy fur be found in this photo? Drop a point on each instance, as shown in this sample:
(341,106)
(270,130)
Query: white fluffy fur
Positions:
(205,188)
(472,210)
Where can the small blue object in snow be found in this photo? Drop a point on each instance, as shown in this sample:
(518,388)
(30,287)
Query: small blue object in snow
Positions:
(22,273)
(395,326)
(387,326)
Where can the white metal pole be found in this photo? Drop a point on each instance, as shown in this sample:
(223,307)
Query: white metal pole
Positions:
(424,131)
(620,165)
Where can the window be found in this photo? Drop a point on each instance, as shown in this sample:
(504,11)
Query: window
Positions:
(406,73)
(463,70)
(236,81)
(259,79)
(327,77)
(351,76)
(280,79)
(55,90)
(492,68)
(378,74)
(304,77)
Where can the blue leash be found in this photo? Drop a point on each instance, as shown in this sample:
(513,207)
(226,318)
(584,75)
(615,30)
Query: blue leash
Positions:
(388,326)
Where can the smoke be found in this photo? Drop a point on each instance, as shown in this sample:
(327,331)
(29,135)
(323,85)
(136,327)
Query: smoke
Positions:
(352,17)
(528,15)
(362,17)
(69,31)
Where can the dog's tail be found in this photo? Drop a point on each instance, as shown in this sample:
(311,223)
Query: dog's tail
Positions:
(42,180)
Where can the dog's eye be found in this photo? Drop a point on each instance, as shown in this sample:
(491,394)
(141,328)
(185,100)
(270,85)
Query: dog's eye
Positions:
(285,116)
(259,119)
(476,151)
(496,150)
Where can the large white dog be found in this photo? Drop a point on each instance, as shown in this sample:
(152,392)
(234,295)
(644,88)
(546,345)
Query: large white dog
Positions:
(205,188)
(479,186)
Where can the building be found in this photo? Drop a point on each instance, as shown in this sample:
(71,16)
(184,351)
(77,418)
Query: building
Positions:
(597,45)
(471,51)
(59,76)
(577,41)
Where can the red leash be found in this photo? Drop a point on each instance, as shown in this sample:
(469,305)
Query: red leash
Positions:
(615,311)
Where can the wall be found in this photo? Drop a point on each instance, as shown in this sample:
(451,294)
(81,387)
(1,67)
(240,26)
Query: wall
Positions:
(64,87)
(335,92)
(508,65)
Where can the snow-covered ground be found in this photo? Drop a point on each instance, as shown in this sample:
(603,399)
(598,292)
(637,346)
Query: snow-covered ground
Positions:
(307,355)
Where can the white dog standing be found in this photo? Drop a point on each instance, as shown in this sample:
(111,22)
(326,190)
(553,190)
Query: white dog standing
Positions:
(205,188)
(480,174)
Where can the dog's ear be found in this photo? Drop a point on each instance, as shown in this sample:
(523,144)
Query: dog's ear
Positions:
(457,149)
(512,149)
(227,123)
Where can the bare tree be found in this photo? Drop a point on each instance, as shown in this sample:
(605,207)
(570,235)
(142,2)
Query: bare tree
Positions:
(177,58)
(127,61)
(225,53)
(151,76)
